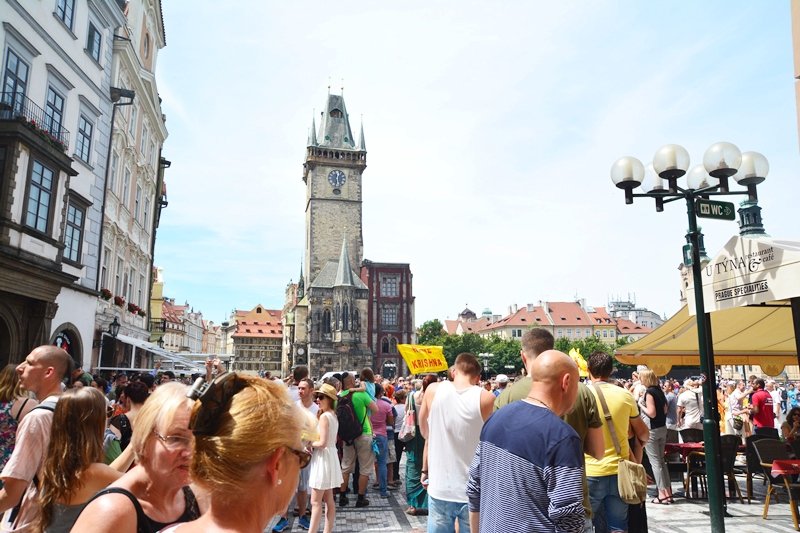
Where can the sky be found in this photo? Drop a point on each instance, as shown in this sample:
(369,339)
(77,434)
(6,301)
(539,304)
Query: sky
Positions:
(490,130)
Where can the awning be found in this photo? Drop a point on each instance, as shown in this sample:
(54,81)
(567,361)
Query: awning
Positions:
(749,271)
(170,360)
(753,335)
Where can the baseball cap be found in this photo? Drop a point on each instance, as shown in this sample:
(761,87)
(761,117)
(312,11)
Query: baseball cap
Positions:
(501,378)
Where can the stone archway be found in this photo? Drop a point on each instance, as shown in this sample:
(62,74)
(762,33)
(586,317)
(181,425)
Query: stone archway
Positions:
(68,337)
(6,343)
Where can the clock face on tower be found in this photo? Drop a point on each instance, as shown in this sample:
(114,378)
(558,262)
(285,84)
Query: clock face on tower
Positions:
(336,178)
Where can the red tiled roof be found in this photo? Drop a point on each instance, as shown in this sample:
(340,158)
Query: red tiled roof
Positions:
(522,318)
(600,317)
(171,312)
(475,326)
(254,324)
(450,326)
(628,327)
(568,314)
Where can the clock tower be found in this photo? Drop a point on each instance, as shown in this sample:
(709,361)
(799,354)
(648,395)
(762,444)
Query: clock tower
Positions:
(330,317)
(332,172)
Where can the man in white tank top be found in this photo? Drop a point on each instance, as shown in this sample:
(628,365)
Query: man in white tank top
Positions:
(450,418)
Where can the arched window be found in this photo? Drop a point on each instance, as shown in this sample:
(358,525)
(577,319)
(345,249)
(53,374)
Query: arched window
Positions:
(385,345)
(326,321)
(356,322)
(337,314)
(345,318)
(393,345)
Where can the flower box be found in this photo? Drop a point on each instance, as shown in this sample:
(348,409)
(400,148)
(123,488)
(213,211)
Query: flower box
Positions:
(105,294)
(119,300)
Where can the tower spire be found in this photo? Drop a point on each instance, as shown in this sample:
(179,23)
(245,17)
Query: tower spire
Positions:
(312,135)
(361,144)
(344,274)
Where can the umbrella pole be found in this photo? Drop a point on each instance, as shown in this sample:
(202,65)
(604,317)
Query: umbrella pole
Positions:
(796,322)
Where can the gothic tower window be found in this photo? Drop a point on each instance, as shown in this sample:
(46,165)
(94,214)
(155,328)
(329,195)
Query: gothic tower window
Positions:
(393,345)
(356,321)
(326,321)
(336,316)
(385,345)
(345,318)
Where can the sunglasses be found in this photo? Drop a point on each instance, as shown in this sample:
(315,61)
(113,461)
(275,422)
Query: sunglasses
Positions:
(215,397)
(302,455)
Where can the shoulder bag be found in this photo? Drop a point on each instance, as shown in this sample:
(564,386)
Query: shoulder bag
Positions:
(631,478)
(409,428)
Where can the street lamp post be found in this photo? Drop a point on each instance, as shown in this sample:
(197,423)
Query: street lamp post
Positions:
(721,161)
(485,356)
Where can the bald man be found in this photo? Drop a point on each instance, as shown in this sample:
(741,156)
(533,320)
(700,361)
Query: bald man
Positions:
(41,373)
(526,474)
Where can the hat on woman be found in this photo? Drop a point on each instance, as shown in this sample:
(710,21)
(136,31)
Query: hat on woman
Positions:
(327,390)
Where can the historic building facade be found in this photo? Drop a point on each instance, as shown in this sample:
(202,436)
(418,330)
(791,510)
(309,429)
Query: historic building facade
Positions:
(336,317)
(55,112)
(135,191)
(256,340)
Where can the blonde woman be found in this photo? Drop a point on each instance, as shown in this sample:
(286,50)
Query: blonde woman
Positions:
(13,406)
(326,472)
(247,453)
(654,405)
(155,492)
(73,470)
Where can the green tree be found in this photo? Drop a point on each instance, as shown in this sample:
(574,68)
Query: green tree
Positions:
(456,344)
(431,333)
(505,353)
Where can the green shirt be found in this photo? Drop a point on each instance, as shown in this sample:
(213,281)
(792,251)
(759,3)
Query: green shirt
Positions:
(360,402)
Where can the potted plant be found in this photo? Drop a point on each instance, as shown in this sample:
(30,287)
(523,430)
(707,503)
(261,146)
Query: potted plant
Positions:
(105,294)
(141,312)
(133,308)
(119,300)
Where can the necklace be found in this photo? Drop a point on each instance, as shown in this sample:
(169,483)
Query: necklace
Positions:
(540,401)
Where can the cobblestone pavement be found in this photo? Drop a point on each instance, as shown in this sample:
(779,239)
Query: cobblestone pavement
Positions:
(684,516)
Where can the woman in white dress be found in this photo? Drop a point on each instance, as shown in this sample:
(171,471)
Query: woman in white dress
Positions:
(326,473)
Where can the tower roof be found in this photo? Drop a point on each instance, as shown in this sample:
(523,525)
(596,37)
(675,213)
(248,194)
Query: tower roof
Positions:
(312,135)
(344,274)
(334,128)
(361,144)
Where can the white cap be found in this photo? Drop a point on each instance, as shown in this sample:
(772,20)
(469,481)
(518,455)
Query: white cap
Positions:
(501,378)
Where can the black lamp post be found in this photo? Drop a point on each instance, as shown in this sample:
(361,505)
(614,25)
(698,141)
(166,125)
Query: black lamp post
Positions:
(160,343)
(113,328)
(721,161)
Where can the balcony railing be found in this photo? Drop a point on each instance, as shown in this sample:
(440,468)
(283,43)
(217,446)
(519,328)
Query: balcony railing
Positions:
(15,106)
(158,325)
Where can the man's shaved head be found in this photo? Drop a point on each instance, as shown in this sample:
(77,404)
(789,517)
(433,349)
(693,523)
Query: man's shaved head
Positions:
(555,380)
(57,358)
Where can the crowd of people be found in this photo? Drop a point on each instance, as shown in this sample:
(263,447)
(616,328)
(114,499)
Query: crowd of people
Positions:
(235,452)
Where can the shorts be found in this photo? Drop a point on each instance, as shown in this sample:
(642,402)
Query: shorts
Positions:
(302,484)
(362,447)
(392,452)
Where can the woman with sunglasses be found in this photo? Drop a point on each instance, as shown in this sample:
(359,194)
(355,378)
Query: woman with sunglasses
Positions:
(247,452)
(326,472)
(155,492)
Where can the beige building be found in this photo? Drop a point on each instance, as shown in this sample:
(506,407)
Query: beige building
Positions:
(257,340)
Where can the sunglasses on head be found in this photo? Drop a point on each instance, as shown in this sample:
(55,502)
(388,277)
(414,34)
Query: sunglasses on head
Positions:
(214,397)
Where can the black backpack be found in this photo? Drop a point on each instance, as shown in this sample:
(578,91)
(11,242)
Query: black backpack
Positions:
(349,426)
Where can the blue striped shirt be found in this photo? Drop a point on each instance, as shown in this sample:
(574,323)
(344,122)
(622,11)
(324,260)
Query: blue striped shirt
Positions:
(526,473)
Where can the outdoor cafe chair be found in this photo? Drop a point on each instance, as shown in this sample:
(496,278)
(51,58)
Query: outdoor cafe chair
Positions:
(769,450)
(753,464)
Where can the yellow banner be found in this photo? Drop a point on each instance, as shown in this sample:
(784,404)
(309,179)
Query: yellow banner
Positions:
(422,359)
(583,368)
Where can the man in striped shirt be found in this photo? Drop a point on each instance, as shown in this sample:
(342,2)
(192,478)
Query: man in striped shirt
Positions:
(526,474)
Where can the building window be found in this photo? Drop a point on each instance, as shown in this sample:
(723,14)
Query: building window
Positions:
(104,268)
(356,320)
(73,233)
(392,345)
(93,42)
(137,202)
(65,9)
(83,144)
(605,333)
(15,81)
(126,187)
(346,318)
(144,142)
(54,112)
(118,277)
(132,122)
(151,153)
(112,179)
(146,212)
(326,321)
(389,286)
(140,300)
(569,332)
(389,317)
(385,345)
(39,194)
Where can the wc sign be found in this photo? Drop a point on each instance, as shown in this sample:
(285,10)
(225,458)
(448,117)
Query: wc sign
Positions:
(713,209)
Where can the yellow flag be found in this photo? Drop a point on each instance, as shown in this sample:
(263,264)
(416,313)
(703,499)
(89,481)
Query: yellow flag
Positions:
(583,369)
(422,359)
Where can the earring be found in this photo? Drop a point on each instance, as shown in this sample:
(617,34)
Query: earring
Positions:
(280,481)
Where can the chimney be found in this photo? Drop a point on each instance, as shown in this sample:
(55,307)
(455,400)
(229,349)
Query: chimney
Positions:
(530,308)
(509,310)
(515,308)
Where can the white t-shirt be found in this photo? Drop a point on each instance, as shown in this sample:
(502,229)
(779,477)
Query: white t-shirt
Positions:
(692,403)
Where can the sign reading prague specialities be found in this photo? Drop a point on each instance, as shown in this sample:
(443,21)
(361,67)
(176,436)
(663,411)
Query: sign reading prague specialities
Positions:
(715,209)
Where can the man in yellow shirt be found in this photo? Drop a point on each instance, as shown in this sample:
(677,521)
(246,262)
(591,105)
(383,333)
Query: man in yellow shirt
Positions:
(602,473)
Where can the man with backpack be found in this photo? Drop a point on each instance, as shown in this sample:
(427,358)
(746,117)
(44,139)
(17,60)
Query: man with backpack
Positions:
(355,431)
(40,373)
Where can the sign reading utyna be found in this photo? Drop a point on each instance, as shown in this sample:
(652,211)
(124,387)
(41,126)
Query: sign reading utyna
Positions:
(715,209)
